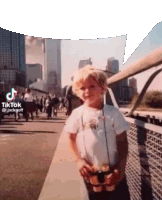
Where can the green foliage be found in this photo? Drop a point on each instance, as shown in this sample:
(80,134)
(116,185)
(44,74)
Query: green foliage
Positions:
(152,99)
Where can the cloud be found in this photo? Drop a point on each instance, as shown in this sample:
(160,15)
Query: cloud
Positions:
(33,41)
(34,50)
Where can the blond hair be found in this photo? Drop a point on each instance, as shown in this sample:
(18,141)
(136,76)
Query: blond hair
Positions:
(84,74)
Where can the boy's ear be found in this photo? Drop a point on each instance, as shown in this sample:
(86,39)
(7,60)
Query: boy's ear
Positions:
(103,90)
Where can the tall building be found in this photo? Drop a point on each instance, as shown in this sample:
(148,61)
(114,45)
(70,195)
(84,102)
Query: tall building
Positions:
(12,54)
(52,66)
(52,83)
(112,66)
(13,76)
(124,90)
(133,84)
(111,69)
(33,72)
(83,63)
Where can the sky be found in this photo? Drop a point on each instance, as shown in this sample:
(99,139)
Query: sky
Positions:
(99,50)
(72,51)
(151,42)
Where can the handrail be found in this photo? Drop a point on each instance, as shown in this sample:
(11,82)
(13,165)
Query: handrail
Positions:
(152,59)
(145,125)
(140,97)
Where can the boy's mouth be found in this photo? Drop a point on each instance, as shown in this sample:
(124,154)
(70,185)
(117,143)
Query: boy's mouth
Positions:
(89,96)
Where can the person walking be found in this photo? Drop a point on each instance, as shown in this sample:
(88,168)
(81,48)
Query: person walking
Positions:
(28,97)
(55,104)
(48,107)
(17,99)
(45,102)
(41,104)
(73,100)
(37,105)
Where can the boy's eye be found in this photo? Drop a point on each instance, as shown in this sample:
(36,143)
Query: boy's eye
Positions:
(92,86)
(82,88)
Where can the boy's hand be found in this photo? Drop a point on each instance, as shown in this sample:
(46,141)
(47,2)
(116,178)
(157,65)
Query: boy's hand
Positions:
(84,168)
(117,174)
(111,178)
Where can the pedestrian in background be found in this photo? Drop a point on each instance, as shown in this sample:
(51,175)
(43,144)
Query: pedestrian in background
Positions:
(41,104)
(45,103)
(55,104)
(48,107)
(73,100)
(23,103)
(22,95)
(3,99)
(17,99)
(37,102)
(29,104)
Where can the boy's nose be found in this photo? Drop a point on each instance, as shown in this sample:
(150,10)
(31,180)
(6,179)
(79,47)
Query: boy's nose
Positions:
(87,90)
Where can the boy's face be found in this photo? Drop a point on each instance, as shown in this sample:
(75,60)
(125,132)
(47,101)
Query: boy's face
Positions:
(91,93)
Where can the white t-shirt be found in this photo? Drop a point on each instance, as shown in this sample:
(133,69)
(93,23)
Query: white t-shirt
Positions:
(28,97)
(88,124)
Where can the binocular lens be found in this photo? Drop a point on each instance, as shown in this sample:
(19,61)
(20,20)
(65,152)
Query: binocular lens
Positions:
(101,176)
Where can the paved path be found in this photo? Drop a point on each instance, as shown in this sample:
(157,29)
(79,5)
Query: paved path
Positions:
(63,180)
(27,149)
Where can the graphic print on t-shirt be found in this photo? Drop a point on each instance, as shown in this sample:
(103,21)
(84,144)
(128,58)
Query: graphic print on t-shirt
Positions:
(92,124)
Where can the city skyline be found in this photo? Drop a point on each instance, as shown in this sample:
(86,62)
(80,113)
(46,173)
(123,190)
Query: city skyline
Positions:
(151,42)
(52,56)
(33,72)
(12,58)
(74,51)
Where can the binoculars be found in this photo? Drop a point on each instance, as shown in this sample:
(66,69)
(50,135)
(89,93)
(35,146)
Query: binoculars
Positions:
(101,174)
(101,180)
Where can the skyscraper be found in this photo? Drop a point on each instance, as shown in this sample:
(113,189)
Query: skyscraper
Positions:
(112,66)
(83,63)
(12,50)
(52,51)
(12,54)
(133,84)
(111,69)
(33,72)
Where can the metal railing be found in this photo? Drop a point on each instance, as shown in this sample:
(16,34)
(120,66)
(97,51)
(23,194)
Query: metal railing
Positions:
(144,164)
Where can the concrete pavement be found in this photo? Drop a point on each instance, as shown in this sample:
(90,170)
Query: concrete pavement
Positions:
(36,163)
(63,180)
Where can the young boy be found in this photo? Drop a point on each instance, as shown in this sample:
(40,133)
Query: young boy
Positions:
(97,134)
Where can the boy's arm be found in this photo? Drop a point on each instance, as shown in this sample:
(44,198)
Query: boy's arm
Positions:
(122,145)
(73,146)
(83,166)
